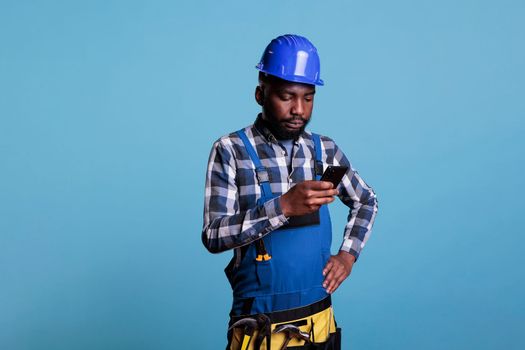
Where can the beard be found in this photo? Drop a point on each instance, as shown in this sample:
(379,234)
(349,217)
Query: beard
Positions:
(280,131)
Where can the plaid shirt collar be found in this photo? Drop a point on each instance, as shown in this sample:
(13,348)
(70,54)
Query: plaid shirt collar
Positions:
(261,127)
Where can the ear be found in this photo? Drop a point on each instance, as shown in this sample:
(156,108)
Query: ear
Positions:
(259,95)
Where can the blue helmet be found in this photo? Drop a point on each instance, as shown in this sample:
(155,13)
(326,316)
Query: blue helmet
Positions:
(292,58)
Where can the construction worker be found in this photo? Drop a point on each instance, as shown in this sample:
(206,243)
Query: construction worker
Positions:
(264,201)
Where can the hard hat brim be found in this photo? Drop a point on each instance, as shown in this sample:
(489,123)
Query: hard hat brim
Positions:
(293,78)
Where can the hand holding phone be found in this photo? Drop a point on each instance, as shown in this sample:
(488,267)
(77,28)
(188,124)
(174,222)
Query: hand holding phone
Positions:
(306,197)
(334,174)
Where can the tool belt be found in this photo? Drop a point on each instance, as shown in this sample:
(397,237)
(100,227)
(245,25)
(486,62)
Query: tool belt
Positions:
(316,322)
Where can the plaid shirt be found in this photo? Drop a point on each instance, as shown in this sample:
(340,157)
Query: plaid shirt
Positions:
(232,217)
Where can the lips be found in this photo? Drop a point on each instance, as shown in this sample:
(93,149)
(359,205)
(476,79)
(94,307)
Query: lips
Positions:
(294,124)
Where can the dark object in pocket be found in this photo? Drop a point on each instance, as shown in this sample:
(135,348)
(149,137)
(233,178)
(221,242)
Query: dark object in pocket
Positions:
(303,220)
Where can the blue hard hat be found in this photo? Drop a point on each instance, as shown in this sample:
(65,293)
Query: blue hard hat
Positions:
(293,58)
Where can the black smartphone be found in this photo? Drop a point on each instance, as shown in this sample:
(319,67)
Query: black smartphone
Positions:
(334,174)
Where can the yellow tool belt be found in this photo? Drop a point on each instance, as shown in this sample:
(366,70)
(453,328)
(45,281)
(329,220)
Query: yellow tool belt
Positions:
(317,320)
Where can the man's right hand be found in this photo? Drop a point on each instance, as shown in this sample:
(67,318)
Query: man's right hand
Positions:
(307,197)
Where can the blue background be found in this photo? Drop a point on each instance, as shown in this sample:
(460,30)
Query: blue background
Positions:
(108,111)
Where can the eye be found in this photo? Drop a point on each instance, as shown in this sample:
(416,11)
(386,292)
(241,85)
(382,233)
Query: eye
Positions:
(285,97)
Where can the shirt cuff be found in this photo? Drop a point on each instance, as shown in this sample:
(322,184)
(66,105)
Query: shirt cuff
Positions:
(352,246)
(274,212)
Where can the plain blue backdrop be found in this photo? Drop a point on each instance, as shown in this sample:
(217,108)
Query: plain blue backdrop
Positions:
(108,110)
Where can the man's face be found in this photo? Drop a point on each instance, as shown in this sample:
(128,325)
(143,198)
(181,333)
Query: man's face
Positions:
(287,106)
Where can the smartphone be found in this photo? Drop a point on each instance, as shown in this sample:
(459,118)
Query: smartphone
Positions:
(334,174)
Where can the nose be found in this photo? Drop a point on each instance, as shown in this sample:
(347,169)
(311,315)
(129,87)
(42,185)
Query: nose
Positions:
(298,108)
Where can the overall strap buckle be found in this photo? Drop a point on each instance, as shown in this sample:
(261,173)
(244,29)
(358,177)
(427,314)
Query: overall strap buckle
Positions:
(262,174)
(318,168)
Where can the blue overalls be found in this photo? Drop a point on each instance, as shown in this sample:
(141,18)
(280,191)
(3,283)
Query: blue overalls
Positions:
(293,276)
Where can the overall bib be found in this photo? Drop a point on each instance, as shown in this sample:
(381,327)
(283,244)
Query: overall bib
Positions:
(291,278)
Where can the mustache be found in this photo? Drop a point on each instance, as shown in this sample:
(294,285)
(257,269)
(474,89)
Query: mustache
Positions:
(292,119)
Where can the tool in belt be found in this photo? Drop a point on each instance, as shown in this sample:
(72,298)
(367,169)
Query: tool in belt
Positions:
(311,327)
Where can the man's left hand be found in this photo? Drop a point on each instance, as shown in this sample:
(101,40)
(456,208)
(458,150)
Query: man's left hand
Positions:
(337,269)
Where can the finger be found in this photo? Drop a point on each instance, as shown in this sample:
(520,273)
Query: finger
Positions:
(336,282)
(320,185)
(325,200)
(328,184)
(341,276)
(339,281)
(329,277)
(329,284)
(328,267)
(338,271)
(319,201)
(327,280)
(324,193)
(333,286)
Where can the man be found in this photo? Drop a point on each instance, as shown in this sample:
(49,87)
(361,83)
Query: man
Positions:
(264,200)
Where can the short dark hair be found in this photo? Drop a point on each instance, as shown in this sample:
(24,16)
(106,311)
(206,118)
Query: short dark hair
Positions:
(267,78)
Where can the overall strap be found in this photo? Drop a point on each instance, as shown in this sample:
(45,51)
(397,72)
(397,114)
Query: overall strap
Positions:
(262,173)
(318,156)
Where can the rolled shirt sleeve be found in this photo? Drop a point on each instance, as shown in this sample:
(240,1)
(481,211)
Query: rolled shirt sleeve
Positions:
(360,199)
(225,225)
